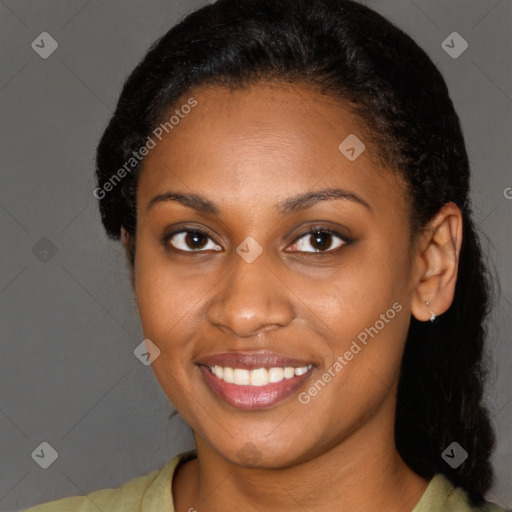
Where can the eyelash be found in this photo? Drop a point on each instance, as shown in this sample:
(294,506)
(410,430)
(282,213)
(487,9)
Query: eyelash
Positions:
(347,241)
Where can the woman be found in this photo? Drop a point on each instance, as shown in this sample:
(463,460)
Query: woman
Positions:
(291,185)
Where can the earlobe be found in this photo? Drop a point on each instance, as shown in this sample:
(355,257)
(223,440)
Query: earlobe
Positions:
(432,314)
(438,261)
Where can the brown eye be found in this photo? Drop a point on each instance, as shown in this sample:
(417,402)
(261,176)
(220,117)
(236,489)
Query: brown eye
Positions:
(321,240)
(190,240)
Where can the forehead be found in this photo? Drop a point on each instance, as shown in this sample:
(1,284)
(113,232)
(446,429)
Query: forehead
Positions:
(261,144)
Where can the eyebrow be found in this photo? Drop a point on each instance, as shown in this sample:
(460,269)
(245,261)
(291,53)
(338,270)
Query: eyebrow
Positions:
(289,205)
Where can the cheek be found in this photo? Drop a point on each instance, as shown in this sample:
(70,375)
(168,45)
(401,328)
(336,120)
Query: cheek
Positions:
(365,315)
(168,297)
(353,297)
(168,305)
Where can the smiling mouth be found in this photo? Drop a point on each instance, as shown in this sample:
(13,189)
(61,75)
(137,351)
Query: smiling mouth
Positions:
(254,389)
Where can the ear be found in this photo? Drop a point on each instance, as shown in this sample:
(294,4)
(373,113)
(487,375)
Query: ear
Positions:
(437,263)
(129,245)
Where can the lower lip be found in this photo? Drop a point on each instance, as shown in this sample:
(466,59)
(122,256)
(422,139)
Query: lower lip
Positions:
(253,397)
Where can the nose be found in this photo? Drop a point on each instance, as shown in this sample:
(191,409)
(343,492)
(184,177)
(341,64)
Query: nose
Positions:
(252,298)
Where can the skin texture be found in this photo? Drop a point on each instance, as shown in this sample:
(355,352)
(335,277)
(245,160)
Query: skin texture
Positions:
(246,151)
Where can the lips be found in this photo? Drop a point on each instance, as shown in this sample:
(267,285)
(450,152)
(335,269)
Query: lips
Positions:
(248,396)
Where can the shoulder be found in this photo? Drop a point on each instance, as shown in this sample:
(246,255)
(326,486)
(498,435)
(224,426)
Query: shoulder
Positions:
(442,496)
(149,492)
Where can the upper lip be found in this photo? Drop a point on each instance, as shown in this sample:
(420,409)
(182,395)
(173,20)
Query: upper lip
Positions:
(251,360)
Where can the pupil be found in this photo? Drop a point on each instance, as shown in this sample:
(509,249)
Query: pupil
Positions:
(319,236)
(191,239)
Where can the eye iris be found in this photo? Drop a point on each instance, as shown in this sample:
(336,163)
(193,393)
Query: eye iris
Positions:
(192,237)
(319,238)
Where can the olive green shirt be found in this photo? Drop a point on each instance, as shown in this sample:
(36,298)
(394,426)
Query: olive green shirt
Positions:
(153,493)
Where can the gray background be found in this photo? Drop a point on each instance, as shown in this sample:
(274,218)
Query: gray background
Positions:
(68,325)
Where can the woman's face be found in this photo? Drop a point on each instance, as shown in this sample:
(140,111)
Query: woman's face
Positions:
(257,291)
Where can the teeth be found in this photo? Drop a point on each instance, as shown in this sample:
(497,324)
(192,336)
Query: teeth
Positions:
(228,375)
(289,372)
(242,377)
(258,376)
(275,374)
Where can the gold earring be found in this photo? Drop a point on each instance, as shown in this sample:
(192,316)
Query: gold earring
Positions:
(432,316)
